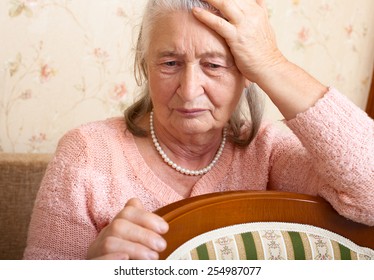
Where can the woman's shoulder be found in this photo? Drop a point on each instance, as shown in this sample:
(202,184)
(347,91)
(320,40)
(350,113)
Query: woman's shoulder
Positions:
(100,127)
(108,125)
(95,133)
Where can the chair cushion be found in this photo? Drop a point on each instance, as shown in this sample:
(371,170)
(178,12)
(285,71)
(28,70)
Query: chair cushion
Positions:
(271,241)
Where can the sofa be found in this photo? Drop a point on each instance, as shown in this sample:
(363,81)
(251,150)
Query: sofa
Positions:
(20,177)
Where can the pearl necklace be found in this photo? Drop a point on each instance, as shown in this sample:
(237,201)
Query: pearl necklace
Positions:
(176,166)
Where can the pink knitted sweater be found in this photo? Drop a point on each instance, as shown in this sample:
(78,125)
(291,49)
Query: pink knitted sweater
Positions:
(97,168)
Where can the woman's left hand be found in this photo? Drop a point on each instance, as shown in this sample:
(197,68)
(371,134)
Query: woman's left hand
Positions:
(248,33)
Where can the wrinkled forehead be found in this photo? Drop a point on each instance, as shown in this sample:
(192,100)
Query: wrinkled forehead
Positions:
(155,9)
(180,33)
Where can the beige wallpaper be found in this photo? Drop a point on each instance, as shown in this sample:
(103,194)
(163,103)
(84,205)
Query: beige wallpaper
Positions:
(67,62)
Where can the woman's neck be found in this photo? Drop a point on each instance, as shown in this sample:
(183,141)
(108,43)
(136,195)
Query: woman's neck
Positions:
(191,151)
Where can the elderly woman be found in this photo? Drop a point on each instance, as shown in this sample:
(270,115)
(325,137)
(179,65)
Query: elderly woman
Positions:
(187,135)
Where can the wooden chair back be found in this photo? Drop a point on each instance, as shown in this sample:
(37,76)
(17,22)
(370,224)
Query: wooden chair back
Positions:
(193,216)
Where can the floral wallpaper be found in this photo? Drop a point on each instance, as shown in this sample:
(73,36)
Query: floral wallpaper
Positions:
(68,62)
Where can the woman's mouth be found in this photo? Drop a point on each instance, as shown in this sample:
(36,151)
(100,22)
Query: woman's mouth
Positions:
(190,112)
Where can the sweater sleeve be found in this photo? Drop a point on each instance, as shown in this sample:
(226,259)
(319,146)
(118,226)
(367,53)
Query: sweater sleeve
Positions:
(61,227)
(333,157)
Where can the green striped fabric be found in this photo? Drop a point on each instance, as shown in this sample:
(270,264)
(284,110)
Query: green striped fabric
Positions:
(297,245)
(345,253)
(202,252)
(274,246)
(249,246)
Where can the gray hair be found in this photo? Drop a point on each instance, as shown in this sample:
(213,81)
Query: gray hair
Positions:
(249,110)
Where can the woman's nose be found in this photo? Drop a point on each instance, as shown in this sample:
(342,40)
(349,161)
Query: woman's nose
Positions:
(191,83)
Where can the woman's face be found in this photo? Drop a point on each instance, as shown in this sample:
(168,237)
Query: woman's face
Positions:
(193,80)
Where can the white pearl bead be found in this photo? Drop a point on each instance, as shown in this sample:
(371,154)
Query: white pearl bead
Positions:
(176,166)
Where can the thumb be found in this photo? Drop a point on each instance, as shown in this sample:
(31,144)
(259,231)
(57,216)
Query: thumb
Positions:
(135,202)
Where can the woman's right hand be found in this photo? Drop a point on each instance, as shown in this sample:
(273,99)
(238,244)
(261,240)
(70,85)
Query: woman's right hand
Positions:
(133,234)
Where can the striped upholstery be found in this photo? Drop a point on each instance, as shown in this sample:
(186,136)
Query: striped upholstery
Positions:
(271,241)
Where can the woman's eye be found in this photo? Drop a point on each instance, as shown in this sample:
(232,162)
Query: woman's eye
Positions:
(213,66)
(170,63)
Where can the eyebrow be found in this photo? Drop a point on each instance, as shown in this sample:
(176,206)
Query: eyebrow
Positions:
(211,54)
(167,53)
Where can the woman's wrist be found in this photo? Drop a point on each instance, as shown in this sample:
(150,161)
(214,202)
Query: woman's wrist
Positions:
(291,88)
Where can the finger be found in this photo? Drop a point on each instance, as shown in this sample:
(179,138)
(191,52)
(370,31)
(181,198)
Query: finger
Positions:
(135,202)
(113,256)
(112,247)
(216,23)
(134,212)
(138,251)
(229,9)
(126,230)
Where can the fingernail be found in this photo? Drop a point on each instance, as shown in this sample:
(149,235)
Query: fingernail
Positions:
(161,244)
(163,227)
(152,255)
